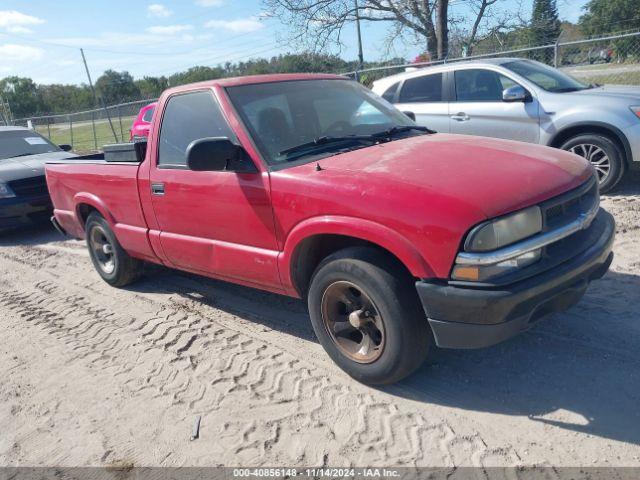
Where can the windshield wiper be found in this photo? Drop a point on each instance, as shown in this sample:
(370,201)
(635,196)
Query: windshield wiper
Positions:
(401,129)
(328,140)
(570,89)
(23,155)
(373,138)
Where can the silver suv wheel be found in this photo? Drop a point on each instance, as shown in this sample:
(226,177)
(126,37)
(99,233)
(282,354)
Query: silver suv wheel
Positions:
(596,156)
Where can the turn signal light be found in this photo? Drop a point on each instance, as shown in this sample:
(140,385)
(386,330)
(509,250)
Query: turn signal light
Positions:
(471,274)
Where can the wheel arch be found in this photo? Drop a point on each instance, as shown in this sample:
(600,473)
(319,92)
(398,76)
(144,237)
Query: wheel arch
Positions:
(314,239)
(85,203)
(601,128)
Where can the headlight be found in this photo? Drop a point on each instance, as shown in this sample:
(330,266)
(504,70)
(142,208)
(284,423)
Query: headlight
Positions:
(497,234)
(5,191)
(636,109)
(504,231)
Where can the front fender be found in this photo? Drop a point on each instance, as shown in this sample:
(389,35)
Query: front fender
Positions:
(358,228)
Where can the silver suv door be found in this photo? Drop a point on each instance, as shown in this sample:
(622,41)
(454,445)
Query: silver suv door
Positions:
(478,107)
(425,97)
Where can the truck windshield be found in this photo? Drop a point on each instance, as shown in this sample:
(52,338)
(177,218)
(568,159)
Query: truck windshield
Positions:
(545,77)
(299,121)
(20,143)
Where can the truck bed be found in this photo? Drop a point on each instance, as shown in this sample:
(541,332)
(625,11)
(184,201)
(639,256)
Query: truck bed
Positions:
(82,185)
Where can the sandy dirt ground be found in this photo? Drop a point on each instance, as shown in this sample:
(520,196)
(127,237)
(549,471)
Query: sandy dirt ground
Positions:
(91,375)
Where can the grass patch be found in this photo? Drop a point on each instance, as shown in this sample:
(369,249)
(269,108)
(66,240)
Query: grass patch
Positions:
(82,138)
(626,78)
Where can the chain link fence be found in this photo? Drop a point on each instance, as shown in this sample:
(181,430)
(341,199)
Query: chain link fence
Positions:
(610,60)
(89,130)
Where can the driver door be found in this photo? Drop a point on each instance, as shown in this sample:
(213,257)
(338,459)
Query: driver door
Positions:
(478,108)
(217,223)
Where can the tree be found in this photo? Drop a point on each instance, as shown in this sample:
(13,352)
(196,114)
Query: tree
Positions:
(22,95)
(65,98)
(28,99)
(196,74)
(117,87)
(318,23)
(152,87)
(607,16)
(545,27)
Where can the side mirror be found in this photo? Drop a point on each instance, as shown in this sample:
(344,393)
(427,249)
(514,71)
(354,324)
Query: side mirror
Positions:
(215,154)
(411,115)
(515,94)
(65,147)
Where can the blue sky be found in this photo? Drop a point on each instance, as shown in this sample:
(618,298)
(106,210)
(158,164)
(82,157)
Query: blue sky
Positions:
(40,38)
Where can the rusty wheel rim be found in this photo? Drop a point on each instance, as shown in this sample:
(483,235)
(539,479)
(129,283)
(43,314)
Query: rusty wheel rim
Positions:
(353,322)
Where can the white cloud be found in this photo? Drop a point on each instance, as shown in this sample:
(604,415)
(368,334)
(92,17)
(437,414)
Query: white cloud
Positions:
(238,26)
(209,3)
(169,29)
(158,10)
(16,22)
(20,53)
(19,29)
(112,40)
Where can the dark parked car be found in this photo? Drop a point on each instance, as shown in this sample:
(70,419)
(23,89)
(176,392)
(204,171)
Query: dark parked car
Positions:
(24,197)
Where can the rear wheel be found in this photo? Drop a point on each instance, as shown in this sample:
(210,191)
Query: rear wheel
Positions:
(113,264)
(366,314)
(603,154)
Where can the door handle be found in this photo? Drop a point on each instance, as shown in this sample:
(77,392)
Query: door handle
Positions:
(460,117)
(157,188)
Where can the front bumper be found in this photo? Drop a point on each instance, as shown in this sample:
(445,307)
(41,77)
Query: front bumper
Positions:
(467,317)
(21,211)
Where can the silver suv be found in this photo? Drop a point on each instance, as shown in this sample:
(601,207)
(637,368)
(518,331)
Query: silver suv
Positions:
(528,101)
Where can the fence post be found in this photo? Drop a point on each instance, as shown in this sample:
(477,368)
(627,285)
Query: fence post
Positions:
(120,120)
(93,124)
(357,76)
(555,52)
(71,130)
(49,128)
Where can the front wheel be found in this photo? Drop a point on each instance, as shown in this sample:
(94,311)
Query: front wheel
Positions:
(113,264)
(603,154)
(366,314)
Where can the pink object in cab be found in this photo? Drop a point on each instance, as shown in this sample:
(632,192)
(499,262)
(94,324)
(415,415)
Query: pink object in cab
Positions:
(142,123)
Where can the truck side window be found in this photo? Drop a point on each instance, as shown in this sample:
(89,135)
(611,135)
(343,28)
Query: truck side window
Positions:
(427,88)
(189,117)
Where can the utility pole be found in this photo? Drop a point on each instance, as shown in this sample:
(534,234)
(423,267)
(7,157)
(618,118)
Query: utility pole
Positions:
(95,97)
(360,55)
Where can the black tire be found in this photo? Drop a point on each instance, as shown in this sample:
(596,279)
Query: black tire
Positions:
(580,145)
(122,268)
(407,335)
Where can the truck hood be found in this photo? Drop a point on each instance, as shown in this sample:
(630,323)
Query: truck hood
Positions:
(29,166)
(496,176)
(611,91)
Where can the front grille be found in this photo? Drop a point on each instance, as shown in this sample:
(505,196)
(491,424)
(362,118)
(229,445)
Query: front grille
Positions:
(568,207)
(29,187)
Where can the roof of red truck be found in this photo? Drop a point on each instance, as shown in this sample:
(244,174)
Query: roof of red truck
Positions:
(254,79)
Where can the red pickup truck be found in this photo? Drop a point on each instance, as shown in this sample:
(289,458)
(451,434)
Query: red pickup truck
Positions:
(314,187)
